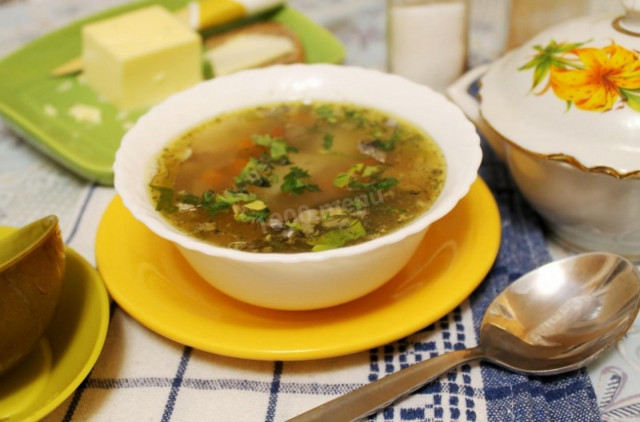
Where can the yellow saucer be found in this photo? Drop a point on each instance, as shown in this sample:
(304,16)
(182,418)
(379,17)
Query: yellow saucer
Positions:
(68,350)
(150,280)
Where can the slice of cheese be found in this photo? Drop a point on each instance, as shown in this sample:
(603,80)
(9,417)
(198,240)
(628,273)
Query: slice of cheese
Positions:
(139,58)
(246,51)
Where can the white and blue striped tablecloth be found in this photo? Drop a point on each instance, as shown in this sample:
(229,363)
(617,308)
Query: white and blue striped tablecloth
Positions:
(141,376)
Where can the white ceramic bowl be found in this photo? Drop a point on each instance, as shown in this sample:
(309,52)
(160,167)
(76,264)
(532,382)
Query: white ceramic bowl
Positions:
(304,280)
(570,133)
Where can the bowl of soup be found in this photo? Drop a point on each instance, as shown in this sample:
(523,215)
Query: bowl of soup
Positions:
(301,186)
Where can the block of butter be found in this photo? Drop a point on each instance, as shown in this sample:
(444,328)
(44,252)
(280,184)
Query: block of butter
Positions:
(139,58)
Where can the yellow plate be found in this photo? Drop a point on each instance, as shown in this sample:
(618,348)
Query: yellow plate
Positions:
(67,352)
(150,280)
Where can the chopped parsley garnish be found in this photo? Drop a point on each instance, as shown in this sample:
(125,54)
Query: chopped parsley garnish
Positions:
(253,212)
(342,180)
(338,237)
(368,171)
(256,205)
(327,141)
(294,225)
(208,202)
(389,144)
(326,112)
(256,173)
(278,148)
(355,116)
(164,202)
(246,205)
(189,198)
(253,216)
(363,177)
(293,183)
(231,197)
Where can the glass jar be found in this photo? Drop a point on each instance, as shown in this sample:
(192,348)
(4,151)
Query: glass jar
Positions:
(427,40)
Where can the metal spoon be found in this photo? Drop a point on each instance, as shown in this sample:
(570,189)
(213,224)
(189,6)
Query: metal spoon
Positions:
(555,319)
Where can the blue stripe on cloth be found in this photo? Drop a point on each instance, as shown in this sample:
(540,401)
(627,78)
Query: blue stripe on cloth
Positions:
(83,208)
(176,384)
(511,396)
(324,389)
(122,383)
(73,405)
(274,390)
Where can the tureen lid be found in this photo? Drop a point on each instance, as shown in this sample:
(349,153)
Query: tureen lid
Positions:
(573,93)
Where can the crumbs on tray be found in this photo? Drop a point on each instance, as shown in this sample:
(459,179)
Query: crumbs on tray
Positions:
(86,113)
(50,110)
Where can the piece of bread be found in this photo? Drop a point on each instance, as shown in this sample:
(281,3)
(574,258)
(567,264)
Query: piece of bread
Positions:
(256,45)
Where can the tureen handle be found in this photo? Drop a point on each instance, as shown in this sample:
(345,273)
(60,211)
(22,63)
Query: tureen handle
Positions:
(630,22)
(459,93)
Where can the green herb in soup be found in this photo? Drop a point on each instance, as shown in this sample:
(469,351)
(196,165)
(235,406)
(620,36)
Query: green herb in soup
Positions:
(297,177)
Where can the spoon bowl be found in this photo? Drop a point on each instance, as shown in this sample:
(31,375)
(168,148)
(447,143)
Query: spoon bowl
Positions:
(555,319)
(563,315)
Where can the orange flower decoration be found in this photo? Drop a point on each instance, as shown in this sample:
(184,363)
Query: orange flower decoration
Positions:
(593,79)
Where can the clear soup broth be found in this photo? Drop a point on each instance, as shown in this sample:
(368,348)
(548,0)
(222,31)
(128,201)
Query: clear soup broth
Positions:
(297,177)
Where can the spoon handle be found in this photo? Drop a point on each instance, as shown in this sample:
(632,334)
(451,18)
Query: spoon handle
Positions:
(379,394)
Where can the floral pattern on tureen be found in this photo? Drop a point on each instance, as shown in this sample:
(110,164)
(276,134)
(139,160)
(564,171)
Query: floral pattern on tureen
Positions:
(591,79)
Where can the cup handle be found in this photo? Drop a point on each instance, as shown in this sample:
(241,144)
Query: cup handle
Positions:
(458,92)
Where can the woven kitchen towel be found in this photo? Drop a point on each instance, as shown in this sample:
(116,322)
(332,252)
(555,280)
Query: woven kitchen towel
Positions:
(141,376)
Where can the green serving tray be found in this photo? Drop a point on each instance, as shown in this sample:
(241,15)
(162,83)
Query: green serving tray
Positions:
(36,105)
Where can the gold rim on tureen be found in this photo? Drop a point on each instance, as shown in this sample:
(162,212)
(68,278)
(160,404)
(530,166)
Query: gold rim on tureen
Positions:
(571,160)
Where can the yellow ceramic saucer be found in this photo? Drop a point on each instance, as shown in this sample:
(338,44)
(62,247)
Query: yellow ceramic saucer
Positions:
(150,280)
(67,352)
